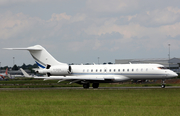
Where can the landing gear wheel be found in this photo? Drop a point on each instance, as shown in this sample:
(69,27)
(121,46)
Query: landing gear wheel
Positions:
(95,85)
(86,85)
(162,86)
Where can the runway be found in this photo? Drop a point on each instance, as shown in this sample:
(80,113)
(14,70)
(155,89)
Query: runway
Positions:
(100,88)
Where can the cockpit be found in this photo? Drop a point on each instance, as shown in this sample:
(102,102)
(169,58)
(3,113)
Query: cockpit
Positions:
(162,68)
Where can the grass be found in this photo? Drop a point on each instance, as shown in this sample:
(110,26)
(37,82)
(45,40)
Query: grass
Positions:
(38,83)
(92,102)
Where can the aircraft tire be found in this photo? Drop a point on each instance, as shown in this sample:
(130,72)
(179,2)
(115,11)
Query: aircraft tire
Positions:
(86,86)
(95,85)
(162,86)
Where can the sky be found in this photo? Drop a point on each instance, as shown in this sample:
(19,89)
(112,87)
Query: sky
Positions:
(80,31)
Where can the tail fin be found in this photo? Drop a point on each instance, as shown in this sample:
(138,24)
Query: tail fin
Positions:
(40,55)
(6,72)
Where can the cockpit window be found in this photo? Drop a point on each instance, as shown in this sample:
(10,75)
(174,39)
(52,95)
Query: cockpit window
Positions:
(162,67)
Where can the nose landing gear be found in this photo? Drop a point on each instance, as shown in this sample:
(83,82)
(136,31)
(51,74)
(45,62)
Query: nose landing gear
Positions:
(163,84)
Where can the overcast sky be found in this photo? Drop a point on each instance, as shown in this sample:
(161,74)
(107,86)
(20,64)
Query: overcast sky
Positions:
(80,31)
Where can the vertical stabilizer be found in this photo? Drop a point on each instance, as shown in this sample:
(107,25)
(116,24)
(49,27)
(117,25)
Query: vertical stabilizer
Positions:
(40,55)
(6,72)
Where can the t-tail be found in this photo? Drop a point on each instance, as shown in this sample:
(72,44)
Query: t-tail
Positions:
(42,57)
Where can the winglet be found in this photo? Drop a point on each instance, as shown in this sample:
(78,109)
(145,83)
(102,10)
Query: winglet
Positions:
(25,73)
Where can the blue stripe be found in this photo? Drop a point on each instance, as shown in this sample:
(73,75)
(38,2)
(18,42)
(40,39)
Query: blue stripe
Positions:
(40,65)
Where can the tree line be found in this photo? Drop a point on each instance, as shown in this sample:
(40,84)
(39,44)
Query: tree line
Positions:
(24,66)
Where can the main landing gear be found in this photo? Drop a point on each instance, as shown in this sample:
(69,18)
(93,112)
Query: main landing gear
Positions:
(95,85)
(87,85)
(163,84)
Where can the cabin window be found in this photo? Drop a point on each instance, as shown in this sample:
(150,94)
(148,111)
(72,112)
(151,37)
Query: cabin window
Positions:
(100,70)
(123,70)
(146,69)
(132,70)
(137,70)
(104,70)
(87,70)
(109,70)
(91,70)
(83,70)
(128,70)
(141,69)
(114,70)
(118,70)
(96,70)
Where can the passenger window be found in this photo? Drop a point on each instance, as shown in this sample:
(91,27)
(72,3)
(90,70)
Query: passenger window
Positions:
(132,70)
(146,69)
(137,70)
(118,70)
(104,70)
(123,70)
(109,70)
(91,70)
(128,70)
(100,70)
(96,70)
(114,70)
(141,69)
(83,70)
(87,70)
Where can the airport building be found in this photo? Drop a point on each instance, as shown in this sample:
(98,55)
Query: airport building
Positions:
(173,63)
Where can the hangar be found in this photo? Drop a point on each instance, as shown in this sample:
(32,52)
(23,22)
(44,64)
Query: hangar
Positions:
(173,63)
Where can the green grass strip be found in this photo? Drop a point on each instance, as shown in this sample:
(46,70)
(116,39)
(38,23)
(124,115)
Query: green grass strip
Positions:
(125,102)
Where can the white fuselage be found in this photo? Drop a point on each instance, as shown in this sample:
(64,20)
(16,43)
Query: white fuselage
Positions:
(118,72)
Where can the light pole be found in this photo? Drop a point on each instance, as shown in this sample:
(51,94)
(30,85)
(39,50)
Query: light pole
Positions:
(98,60)
(169,55)
(13,60)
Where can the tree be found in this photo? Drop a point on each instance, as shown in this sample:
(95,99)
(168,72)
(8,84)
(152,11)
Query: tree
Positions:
(23,66)
(15,67)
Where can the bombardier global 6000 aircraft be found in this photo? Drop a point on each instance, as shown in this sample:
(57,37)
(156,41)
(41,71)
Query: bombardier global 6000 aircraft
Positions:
(95,74)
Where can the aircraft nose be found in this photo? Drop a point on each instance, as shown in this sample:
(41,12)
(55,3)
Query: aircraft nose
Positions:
(172,74)
(175,74)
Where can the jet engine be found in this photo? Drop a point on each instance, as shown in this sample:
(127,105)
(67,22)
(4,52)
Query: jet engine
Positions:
(59,70)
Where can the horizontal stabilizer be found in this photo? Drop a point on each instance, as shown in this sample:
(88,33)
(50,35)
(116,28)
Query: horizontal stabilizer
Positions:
(28,48)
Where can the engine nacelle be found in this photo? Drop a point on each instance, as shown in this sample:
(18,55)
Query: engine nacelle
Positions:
(59,70)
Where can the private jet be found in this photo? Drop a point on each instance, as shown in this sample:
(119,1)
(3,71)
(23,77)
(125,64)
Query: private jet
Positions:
(95,74)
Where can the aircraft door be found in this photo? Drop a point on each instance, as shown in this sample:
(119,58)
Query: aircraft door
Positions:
(166,74)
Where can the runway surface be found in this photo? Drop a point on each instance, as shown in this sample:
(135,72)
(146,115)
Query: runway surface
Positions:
(100,88)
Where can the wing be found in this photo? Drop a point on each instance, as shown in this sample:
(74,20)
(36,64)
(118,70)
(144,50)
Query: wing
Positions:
(87,77)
